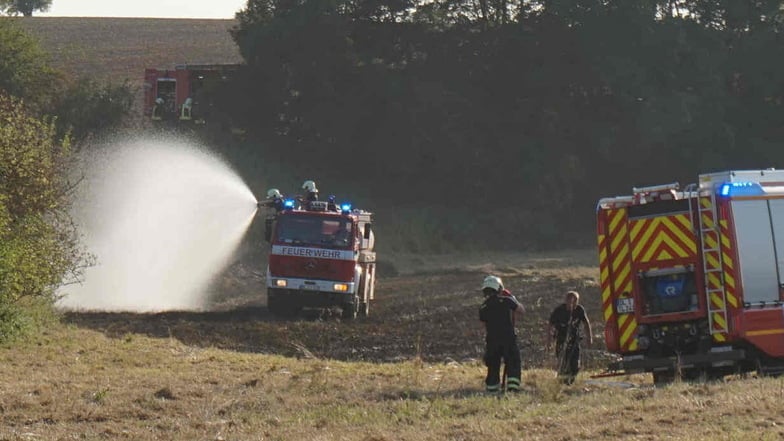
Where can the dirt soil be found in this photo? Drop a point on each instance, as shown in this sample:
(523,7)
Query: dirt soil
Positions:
(428,310)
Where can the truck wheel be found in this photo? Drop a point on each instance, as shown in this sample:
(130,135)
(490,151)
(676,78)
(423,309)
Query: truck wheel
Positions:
(350,310)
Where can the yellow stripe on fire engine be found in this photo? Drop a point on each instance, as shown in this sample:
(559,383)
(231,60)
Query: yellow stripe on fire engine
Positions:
(729,265)
(616,218)
(725,241)
(620,235)
(712,261)
(685,240)
(732,300)
(710,241)
(636,227)
(685,221)
(604,274)
(764,332)
(663,238)
(713,280)
(729,280)
(719,337)
(707,221)
(626,340)
(718,301)
(727,260)
(718,319)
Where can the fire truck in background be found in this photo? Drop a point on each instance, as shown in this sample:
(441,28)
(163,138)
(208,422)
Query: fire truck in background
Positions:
(320,257)
(692,280)
(181,94)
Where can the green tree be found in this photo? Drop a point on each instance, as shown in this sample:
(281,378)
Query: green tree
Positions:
(24,7)
(24,71)
(38,242)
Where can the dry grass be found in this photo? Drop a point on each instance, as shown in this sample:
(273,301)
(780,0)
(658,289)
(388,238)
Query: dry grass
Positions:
(78,384)
(409,372)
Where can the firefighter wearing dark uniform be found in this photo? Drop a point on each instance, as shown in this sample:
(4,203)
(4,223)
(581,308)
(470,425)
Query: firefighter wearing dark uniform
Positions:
(566,322)
(498,314)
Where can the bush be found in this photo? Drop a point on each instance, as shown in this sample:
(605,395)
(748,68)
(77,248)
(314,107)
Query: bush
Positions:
(38,241)
(87,107)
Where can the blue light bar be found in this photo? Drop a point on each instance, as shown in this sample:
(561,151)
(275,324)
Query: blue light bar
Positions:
(345,208)
(289,204)
(741,189)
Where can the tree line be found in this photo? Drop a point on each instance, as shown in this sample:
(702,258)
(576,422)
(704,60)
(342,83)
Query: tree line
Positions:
(509,119)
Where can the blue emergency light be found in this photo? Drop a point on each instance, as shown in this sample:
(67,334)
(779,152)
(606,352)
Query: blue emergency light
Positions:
(741,189)
(345,208)
(289,204)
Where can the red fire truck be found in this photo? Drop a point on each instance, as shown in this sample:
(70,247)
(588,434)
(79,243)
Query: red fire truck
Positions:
(692,280)
(179,94)
(320,256)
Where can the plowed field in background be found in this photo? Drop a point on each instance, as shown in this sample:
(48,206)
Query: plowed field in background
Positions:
(119,49)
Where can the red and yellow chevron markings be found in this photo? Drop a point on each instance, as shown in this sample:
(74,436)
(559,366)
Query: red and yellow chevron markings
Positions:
(619,264)
(662,238)
(718,260)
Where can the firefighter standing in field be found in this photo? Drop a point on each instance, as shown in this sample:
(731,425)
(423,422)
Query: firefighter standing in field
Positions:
(498,313)
(565,325)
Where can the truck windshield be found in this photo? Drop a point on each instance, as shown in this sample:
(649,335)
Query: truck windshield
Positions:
(327,232)
(669,293)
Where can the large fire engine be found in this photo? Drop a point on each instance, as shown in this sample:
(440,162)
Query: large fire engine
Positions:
(181,94)
(321,256)
(692,280)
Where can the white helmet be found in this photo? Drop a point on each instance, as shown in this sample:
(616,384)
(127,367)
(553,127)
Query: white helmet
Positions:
(274,193)
(309,186)
(493,282)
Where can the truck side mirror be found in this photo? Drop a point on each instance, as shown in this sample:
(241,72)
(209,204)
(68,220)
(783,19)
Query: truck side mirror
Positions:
(366,233)
(268,228)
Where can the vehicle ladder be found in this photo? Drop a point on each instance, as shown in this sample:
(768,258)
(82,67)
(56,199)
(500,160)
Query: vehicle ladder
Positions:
(712,263)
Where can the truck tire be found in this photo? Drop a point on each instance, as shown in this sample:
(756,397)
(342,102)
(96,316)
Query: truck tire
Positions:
(350,310)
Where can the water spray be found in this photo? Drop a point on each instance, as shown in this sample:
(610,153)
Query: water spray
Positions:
(163,218)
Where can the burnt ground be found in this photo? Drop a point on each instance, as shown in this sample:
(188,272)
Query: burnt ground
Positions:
(431,315)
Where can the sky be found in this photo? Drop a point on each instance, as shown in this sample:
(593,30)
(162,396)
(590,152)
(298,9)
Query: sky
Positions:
(144,8)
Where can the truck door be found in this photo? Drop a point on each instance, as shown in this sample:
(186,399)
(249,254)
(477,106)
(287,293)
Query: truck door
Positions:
(759,268)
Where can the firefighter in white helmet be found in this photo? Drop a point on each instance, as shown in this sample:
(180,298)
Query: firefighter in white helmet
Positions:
(274,200)
(309,194)
(498,313)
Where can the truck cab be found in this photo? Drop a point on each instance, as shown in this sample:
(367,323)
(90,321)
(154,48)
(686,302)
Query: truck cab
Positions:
(320,258)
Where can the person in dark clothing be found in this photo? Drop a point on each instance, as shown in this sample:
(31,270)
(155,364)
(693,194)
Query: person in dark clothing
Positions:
(565,325)
(498,313)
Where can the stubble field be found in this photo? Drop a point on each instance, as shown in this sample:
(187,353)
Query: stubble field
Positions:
(410,371)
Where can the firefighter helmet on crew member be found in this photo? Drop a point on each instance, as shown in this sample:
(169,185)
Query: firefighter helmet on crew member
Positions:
(493,283)
(274,193)
(309,186)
